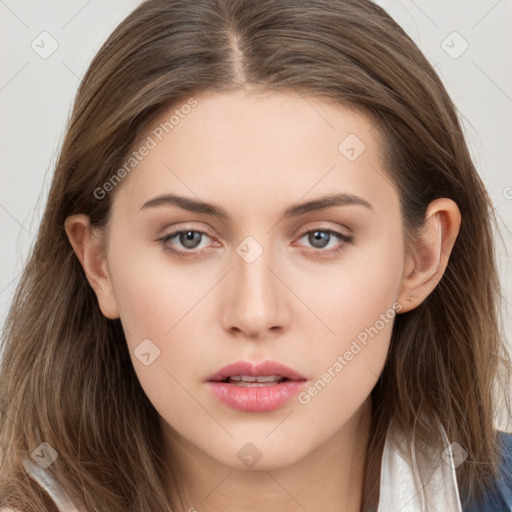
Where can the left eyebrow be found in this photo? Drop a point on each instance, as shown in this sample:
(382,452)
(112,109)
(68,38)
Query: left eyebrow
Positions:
(193,205)
(329,201)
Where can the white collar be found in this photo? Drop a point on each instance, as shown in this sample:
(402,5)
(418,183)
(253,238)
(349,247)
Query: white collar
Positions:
(400,491)
(50,485)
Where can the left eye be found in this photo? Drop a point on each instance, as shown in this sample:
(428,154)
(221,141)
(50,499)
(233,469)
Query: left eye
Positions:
(191,239)
(318,236)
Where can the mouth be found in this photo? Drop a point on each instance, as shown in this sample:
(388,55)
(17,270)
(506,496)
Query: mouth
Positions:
(249,387)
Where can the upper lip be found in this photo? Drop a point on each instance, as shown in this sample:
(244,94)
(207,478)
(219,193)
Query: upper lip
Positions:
(262,369)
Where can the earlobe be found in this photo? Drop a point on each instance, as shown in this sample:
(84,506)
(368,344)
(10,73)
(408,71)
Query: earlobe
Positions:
(427,260)
(88,249)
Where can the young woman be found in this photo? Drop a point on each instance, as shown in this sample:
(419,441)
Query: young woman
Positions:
(265,279)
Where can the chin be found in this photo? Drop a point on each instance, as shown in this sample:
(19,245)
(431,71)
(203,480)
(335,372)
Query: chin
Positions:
(259,456)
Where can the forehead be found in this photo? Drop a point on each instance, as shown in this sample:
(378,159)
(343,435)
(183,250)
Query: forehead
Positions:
(262,123)
(267,145)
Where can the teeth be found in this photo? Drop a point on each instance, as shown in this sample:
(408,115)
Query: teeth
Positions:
(251,379)
(255,384)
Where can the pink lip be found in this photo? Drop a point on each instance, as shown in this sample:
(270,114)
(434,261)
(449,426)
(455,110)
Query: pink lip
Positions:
(257,370)
(260,398)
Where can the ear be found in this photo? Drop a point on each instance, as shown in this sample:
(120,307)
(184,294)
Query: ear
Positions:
(427,260)
(89,250)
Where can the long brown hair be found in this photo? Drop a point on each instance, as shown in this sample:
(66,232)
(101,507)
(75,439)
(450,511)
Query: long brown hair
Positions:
(66,375)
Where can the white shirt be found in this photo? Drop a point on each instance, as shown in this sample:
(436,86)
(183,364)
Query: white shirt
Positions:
(400,492)
(398,489)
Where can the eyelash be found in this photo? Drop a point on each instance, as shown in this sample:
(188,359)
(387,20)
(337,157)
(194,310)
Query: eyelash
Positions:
(319,253)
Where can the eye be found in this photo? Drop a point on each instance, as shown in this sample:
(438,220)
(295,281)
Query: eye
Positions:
(188,238)
(319,238)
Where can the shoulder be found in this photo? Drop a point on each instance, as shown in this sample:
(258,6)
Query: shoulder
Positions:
(500,498)
(504,479)
(505,440)
(506,443)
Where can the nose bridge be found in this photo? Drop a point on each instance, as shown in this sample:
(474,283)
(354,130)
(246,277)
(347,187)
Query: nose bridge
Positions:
(258,300)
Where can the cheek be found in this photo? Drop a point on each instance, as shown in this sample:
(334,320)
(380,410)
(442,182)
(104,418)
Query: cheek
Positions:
(151,292)
(364,285)
(153,312)
(350,363)
(144,300)
(357,306)
(158,304)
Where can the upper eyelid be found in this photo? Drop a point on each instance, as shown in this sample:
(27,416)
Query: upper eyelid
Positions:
(298,233)
(318,226)
(175,232)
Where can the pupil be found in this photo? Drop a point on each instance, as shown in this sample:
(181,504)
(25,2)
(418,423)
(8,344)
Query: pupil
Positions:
(318,236)
(188,237)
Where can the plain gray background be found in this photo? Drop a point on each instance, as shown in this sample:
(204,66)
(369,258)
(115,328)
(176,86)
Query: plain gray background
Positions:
(48,45)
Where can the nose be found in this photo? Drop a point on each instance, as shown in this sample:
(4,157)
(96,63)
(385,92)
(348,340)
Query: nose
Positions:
(257,298)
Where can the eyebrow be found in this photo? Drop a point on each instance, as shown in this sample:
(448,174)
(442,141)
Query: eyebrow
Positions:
(193,205)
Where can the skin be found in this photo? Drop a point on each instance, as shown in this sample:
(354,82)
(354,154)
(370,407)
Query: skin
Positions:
(256,154)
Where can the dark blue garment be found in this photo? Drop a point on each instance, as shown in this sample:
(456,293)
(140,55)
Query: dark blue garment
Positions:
(498,499)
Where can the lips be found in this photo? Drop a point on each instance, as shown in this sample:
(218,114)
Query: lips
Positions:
(247,372)
(237,386)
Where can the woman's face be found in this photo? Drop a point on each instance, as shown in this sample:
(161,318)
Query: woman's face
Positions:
(257,284)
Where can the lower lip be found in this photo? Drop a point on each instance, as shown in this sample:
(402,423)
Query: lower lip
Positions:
(257,398)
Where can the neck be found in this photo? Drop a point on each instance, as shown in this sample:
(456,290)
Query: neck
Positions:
(328,479)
